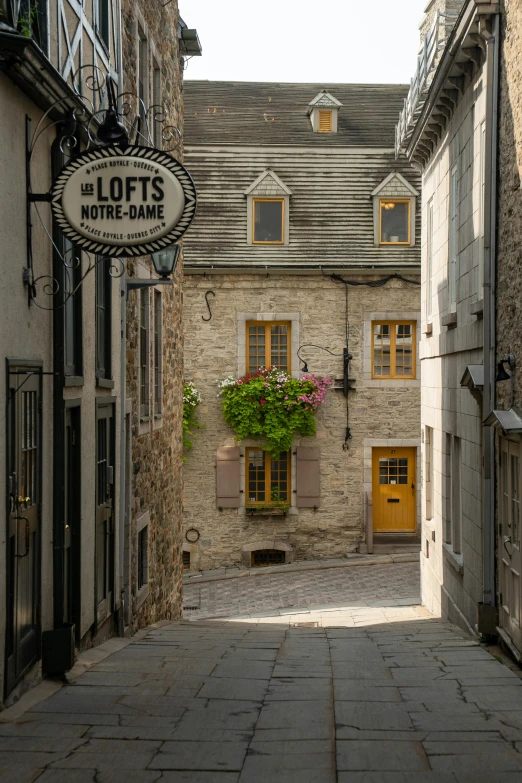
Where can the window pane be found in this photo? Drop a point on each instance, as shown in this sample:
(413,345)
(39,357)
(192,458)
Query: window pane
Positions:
(381,349)
(515,500)
(256,476)
(403,349)
(279,347)
(256,347)
(394,221)
(279,478)
(268,221)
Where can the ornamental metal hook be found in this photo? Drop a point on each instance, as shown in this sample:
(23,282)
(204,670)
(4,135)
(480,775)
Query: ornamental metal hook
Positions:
(204,318)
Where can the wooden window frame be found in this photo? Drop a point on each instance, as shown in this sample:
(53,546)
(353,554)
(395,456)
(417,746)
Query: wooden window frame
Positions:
(395,201)
(268,343)
(324,112)
(393,375)
(255,241)
(268,479)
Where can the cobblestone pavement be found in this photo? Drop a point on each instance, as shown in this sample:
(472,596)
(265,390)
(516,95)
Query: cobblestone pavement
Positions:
(359,694)
(353,584)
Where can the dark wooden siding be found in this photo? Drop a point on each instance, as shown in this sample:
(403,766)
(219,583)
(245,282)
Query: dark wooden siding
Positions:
(331,209)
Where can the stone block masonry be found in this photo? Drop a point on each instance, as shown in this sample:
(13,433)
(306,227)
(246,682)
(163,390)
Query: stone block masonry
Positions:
(381,412)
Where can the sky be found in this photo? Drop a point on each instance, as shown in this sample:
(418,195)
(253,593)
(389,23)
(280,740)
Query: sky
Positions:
(358,41)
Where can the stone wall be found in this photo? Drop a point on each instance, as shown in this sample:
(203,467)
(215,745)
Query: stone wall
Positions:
(378,410)
(155,458)
(509,279)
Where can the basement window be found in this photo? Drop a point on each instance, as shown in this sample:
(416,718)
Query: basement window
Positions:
(266,557)
(268,221)
(394,222)
(186,560)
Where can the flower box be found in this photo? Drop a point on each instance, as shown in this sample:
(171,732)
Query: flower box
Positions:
(266,511)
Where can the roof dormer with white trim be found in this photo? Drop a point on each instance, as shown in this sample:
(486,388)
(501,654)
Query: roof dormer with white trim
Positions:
(323,112)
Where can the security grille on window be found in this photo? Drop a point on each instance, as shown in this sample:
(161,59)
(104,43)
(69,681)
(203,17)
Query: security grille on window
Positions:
(268,345)
(268,221)
(267,557)
(393,349)
(268,478)
(394,222)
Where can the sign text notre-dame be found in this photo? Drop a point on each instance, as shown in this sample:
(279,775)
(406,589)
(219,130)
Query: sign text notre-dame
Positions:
(123,202)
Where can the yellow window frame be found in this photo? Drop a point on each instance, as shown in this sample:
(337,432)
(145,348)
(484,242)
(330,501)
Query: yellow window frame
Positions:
(395,201)
(268,479)
(393,376)
(263,241)
(268,343)
(328,116)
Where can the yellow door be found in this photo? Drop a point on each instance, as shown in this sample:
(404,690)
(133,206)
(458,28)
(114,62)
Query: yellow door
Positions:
(393,490)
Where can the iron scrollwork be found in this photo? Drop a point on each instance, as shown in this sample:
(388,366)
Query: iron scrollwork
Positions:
(83,113)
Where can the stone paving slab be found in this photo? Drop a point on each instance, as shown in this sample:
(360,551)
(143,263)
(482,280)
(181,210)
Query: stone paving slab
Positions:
(360,694)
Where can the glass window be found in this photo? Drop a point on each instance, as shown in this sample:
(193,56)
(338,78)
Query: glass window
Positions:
(395,222)
(267,478)
(393,470)
(157,113)
(429,262)
(103,318)
(144,352)
(157,352)
(393,349)
(143,67)
(103,13)
(267,345)
(453,239)
(268,221)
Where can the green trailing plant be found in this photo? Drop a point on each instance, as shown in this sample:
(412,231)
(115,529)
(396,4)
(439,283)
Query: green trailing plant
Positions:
(267,507)
(271,405)
(26,22)
(191,400)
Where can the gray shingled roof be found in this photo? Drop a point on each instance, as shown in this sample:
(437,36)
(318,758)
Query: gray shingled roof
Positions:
(241,113)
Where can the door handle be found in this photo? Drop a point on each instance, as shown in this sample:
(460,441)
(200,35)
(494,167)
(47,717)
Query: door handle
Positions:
(27,536)
(412,488)
(507,540)
(23,501)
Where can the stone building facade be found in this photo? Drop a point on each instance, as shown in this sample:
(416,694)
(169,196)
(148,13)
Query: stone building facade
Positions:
(329,281)
(449,131)
(508,328)
(153,58)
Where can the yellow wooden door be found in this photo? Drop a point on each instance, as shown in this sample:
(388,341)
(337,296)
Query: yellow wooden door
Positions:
(394,486)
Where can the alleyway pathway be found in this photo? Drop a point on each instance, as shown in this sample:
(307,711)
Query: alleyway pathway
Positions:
(351,693)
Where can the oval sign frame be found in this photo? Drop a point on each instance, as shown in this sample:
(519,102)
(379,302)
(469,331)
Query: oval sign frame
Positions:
(136,248)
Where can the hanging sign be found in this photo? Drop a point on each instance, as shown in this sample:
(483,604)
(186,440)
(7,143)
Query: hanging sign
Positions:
(123,202)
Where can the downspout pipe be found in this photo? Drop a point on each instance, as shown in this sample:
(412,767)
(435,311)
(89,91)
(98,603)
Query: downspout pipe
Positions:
(491,35)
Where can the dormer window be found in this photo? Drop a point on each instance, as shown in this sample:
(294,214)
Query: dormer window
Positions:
(395,222)
(268,217)
(394,206)
(323,112)
(268,205)
(325,122)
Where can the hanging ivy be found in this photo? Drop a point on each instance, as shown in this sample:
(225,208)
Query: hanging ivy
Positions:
(191,400)
(269,404)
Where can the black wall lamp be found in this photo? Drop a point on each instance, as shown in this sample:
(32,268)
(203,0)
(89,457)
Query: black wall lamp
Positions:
(164,262)
(347,357)
(503,375)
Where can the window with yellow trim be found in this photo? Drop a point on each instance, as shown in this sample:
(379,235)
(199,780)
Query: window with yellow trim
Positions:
(393,349)
(394,221)
(268,221)
(268,345)
(325,122)
(267,478)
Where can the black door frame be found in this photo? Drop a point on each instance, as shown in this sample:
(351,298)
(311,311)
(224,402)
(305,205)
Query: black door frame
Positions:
(110,570)
(72,516)
(18,372)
